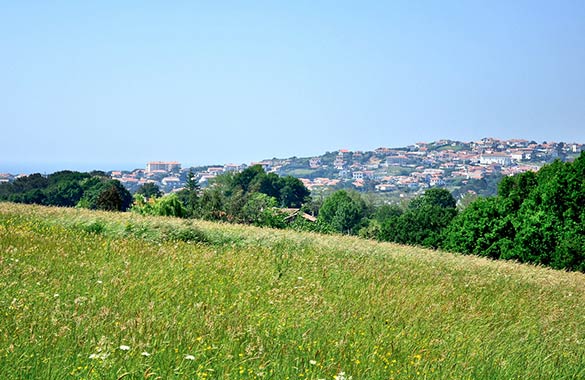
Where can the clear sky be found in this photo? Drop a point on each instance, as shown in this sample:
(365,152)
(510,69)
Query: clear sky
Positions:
(114,84)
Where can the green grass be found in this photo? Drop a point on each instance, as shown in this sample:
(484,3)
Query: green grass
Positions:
(300,172)
(399,170)
(252,303)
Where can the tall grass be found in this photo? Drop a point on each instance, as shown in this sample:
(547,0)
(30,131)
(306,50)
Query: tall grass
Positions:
(95,295)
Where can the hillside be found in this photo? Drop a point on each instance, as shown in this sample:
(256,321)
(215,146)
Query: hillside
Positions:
(98,295)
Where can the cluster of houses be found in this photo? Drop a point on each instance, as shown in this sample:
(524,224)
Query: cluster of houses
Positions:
(166,175)
(170,176)
(438,163)
(414,167)
(6,177)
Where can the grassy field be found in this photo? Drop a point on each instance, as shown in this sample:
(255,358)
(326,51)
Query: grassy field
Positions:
(93,295)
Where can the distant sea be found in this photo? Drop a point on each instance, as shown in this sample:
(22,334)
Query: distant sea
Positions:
(48,168)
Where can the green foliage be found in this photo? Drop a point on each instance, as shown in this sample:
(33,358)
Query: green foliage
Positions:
(212,204)
(109,199)
(32,182)
(288,191)
(536,218)
(190,195)
(434,197)
(65,193)
(249,197)
(141,205)
(481,229)
(68,188)
(103,194)
(343,211)
(422,223)
(169,205)
(301,224)
(292,192)
(149,190)
(261,210)
(66,176)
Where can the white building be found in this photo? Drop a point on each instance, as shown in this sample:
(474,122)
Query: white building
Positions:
(501,159)
(154,166)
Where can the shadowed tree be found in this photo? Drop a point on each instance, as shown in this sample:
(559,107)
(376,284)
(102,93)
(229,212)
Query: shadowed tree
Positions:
(149,190)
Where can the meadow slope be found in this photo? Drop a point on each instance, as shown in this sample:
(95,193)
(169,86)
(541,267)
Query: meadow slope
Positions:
(95,295)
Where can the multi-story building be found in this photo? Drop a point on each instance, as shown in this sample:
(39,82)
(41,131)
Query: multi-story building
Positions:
(164,166)
(502,159)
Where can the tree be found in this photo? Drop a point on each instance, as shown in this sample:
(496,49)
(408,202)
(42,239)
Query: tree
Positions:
(149,190)
(169,205)
(229,194)
(31,182)
(109,199)
(480,229)
(382,222)
(423,221)
(434,197)
(269,184)
(143,206)
(261,210)
(66,176)
(293,192)
(246,177)
(342,211)
(65,193)
(193,189)
(101,193)
(212,204)
(536,218)
(33,196)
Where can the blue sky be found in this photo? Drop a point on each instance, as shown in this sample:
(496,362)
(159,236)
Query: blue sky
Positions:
(113,84)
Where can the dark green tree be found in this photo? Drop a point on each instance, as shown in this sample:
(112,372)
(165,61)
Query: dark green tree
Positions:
(248,176)
(149,190)
(65,193)
(31,182)
(424,220)
(192,187)
(293,192)
(481,229)
(342,211)
(434,197)
(99,194)
(536,218)
(66,176)
(109,199)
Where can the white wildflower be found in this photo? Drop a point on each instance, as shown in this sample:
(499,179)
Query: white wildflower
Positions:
(145,354)
(124,348)
(101,356)
(341,376)
(312,362)
(189,357)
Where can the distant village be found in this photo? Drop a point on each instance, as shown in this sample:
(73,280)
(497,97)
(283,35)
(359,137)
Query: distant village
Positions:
(443,163)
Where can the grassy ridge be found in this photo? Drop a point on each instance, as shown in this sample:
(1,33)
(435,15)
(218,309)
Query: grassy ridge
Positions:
(207,300)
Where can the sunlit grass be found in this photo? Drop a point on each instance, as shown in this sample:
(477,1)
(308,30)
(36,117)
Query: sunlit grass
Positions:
(105,295)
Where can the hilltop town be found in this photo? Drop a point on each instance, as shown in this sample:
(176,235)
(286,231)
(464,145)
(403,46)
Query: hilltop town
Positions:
(447,163)
(459,166)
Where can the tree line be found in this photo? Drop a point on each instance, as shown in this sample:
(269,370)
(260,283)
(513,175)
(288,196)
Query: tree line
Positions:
(94,190)
(535,218)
